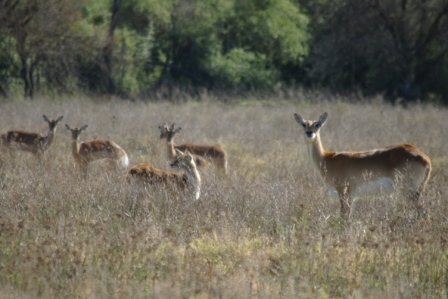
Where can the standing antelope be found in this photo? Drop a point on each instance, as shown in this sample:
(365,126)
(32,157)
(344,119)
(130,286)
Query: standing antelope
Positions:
(186,180)
(31,142)
(87,152)
(401,166)
(212,153)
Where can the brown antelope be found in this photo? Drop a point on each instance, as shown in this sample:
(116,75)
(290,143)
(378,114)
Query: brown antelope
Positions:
(399,167)
(189,179)
(169,133)
(90,151)
(212,153)
(31,142)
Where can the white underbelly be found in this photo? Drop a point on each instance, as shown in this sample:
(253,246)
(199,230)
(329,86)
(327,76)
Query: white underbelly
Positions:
(380,185)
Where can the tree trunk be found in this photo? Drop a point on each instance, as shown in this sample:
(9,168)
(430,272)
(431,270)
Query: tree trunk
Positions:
(107,51)
(26,76)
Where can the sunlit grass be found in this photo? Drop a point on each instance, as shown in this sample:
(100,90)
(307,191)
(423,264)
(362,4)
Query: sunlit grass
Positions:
(267,230)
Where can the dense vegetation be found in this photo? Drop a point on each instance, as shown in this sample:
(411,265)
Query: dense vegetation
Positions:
(267,230)
(132,48)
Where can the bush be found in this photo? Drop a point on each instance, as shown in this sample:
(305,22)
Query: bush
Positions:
(244,69)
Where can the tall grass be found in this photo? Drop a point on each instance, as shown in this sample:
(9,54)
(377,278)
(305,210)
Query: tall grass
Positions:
(267,230)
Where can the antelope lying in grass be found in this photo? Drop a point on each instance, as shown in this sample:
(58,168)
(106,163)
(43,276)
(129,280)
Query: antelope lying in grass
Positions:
(399,167)
(212,153)
(31,142)
(188,180)
(90,151)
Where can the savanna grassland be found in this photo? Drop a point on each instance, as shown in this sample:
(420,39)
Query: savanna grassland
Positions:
(266,230)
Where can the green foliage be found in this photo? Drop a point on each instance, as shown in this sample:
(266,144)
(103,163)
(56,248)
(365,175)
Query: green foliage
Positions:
(7,68)
(97,14)
(179,42)
(133,51)
(40,43)
(156,12)
(242,68)
(393,47)
(275,28)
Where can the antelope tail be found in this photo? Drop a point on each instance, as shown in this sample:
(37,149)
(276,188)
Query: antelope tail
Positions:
(124,160)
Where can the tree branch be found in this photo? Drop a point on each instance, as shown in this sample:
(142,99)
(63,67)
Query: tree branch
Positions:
(389,24)
(432,32)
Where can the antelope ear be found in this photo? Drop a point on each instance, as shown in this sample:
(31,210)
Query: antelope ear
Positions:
(178,153)
(83,128)
(45,118)
(61,117)
(68,127)
(162,131)
(323,118)
(299,119)
(189,156)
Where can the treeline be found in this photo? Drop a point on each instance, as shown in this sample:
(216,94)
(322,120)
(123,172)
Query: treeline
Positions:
(131,48)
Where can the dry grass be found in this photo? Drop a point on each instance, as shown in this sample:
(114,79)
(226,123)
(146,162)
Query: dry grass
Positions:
(268,230)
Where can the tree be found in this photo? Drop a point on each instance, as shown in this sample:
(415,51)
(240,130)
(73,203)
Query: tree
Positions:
(37,41)
(379,45)
(107,50)
(205,40)
(64,45)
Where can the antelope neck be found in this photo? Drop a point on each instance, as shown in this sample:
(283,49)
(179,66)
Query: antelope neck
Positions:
(194,178)
(47,140)
(170,147)
(317,153)
(75,148)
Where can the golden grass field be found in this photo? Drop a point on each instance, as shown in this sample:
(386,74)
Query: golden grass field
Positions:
(267,230)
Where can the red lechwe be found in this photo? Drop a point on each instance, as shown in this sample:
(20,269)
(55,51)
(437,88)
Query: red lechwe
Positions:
(31,142)
(87,152)
(212,153)
(399,167)
(189,180)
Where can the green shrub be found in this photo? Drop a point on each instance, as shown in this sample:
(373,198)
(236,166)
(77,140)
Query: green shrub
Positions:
(243,68)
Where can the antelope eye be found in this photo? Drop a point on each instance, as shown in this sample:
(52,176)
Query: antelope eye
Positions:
(316,125)
(304,126)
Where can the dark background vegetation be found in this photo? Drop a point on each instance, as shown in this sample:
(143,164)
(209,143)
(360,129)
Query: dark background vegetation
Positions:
(135,48)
